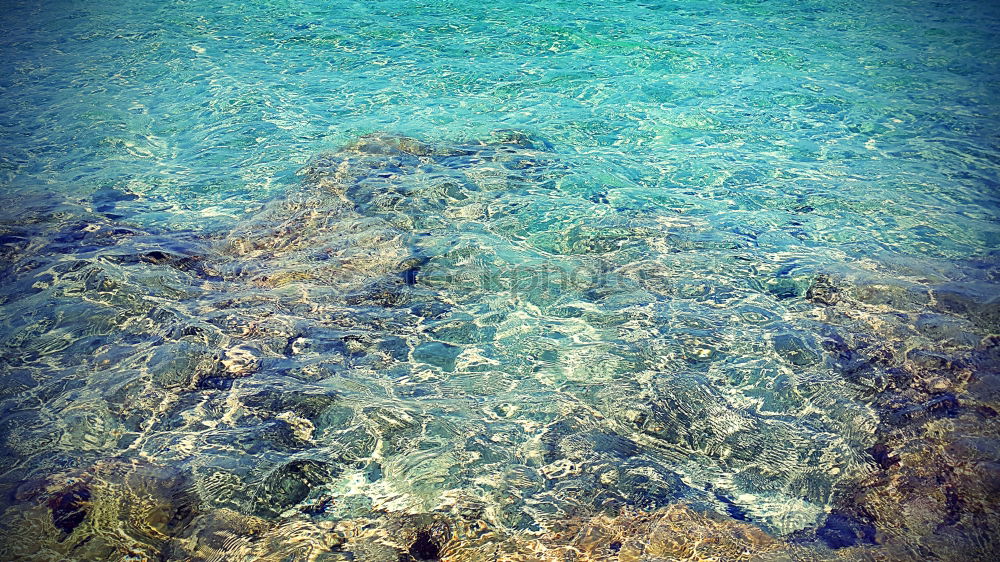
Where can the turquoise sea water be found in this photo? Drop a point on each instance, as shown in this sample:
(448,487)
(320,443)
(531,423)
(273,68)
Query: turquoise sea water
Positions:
(274,269)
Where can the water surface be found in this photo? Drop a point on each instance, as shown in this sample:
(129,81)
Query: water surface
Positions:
(294,280)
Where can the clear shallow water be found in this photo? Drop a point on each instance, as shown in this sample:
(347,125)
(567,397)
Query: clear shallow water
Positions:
(306,265)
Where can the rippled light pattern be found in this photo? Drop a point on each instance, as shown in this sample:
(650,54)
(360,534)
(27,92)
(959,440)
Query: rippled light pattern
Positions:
(559,280)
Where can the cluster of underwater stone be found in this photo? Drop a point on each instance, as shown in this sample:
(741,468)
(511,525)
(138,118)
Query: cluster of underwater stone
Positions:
(675,533)
(317,359)
(171,323)
(123,510)
(922,338)
(624,380)
(112,510)
(134,510)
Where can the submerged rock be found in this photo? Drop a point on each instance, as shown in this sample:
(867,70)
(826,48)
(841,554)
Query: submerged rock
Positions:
(290,484)
(794,349)
(938,428)
(182,364)
(67,515)
(438,354)
(442,352)
(976,301)
(823,290)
